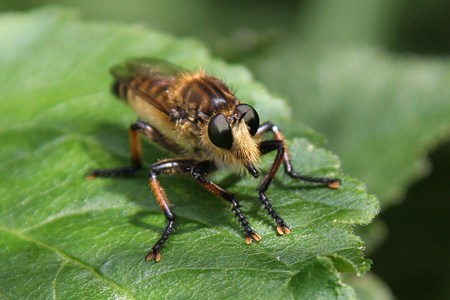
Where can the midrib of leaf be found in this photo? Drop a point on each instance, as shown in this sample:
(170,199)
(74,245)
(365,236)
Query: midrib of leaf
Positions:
(68,258)
(181,218)
(63,215)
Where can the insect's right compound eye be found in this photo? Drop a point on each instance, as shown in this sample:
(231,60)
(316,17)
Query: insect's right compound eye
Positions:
(250,116)
(219,132)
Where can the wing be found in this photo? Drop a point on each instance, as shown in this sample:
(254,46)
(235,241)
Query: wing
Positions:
(145,67)
(147,78)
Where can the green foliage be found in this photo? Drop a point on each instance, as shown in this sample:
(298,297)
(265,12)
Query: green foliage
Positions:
(64,236)
(380,112)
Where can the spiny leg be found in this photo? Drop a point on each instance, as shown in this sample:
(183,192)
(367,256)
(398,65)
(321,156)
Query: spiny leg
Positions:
(135,156)
(332,183)
(279,144)
(265,147)
(199,172)
(175,166)
(136,129)
(161,198)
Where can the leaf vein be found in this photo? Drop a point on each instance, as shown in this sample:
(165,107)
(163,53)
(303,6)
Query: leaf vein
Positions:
(69,258)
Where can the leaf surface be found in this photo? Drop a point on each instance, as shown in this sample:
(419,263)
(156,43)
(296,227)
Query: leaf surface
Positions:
(63,236)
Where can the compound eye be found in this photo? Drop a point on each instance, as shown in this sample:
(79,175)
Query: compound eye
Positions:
(250,117)
(219,132)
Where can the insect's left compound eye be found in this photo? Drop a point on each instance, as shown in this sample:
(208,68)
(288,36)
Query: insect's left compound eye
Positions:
(219,132)
(251,117)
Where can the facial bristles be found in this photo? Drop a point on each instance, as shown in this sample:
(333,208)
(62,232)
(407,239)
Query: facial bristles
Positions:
(244,148)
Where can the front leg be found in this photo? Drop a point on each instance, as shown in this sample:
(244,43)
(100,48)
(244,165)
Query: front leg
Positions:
(199,171)
(176,166)
(264,147)
(279,144)
(332,183)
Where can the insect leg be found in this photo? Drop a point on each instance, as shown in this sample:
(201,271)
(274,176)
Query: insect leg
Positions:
(332,183)
(267,146)
(199,173)
(136,129)
(181,166)
(135,156)
(164,204)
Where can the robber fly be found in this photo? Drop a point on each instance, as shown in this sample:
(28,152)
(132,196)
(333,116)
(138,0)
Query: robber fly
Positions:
(198,118)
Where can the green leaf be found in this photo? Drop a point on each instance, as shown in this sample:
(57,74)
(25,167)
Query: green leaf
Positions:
(327,19)
(380,112)
(370,287)
(64,236)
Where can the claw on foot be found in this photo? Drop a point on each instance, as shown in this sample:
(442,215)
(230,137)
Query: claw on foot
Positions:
(252,237)
(335,184)
(153,255)
(90,177)
(283,230)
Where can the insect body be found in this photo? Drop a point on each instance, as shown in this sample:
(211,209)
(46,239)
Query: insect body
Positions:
(197,118)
